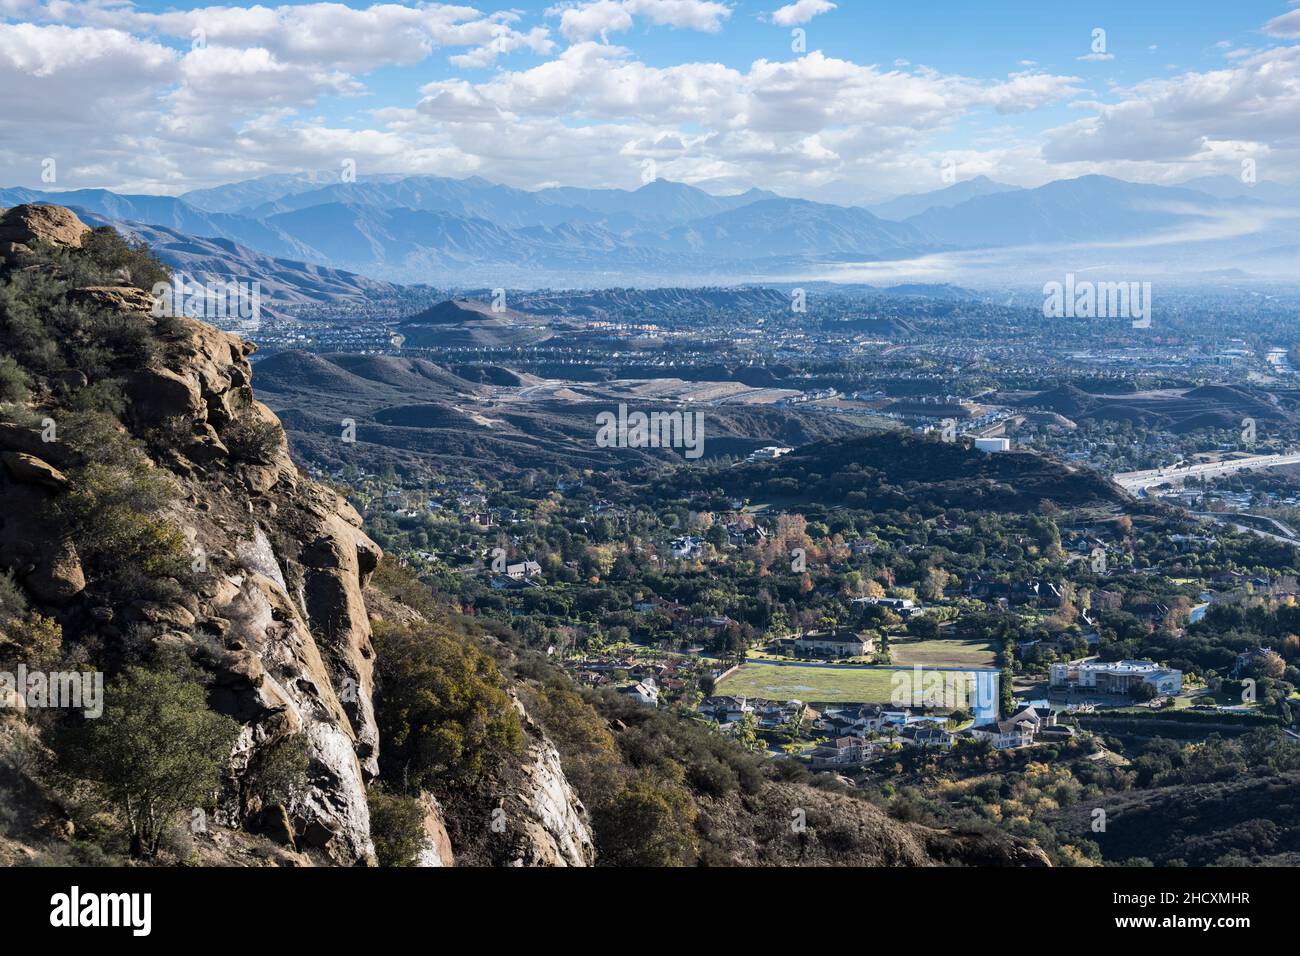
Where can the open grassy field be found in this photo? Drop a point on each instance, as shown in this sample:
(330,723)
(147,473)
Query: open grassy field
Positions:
(776,682)
(942,652)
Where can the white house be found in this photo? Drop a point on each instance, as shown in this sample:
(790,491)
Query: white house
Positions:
(1117,677)
(688,547)
(1017,730)
(644,691)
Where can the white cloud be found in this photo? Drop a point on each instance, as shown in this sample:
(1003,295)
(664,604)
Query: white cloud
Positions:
(801,11)
(505,41)
(56,75)
(1286,26)
(582,21)
(1256,100)
(357,40)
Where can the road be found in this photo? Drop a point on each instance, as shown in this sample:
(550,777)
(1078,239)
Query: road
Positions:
(1226,517)
(1134,481)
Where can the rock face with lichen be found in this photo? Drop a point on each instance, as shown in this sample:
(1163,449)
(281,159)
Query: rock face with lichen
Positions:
(281,563)
(546,822)
(283,600)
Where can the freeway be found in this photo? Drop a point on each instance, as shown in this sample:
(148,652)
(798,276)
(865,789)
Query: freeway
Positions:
(1135,481)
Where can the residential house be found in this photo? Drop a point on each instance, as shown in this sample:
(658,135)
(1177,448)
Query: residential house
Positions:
(1005,734)
(644,691)
(841,752)
(525,569)
(855,720)
(927,735)
(839,643)
(687,547)
(725,709)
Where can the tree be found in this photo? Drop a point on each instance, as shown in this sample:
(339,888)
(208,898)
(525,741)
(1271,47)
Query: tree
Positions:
(1142,691)
(156,750)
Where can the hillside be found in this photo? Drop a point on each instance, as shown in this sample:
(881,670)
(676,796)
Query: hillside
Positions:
(489,419)
(1252,819)
(1179,409)
(896,469)
(176,536)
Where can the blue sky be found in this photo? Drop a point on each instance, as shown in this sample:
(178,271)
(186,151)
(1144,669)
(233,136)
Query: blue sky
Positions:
(884,97)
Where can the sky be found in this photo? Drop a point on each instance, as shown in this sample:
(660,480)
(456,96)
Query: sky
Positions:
(850,101)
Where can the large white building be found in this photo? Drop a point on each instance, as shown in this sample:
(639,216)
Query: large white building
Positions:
(1117,677)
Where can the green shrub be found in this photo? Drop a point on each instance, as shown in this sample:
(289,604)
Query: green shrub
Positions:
(278,772)
(396,827)
(113,513)
(14,384)
(33,640)
(651,823)
(253,439)
(442,711)
(13,603)
(124,260)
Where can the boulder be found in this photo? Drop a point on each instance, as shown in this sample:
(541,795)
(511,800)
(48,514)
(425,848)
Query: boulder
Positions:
(11,251)
(171,615)
(29,441)
(54,225)
(58,576)
(30,470)
(204,446)
(158,394)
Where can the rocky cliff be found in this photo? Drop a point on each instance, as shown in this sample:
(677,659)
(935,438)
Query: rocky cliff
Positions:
(275,606)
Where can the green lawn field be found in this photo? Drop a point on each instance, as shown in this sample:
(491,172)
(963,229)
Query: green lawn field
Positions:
(775,682)
(942,652)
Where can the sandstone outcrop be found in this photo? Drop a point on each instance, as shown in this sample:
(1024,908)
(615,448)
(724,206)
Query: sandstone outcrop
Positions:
(275,610)
(22,226)
(288,563)
(47,564)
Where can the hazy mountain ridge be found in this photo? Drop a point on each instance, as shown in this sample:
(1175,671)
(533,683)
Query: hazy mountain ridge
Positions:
(914,204)
(428,228)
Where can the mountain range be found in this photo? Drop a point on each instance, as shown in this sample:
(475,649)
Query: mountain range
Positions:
(408,229)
